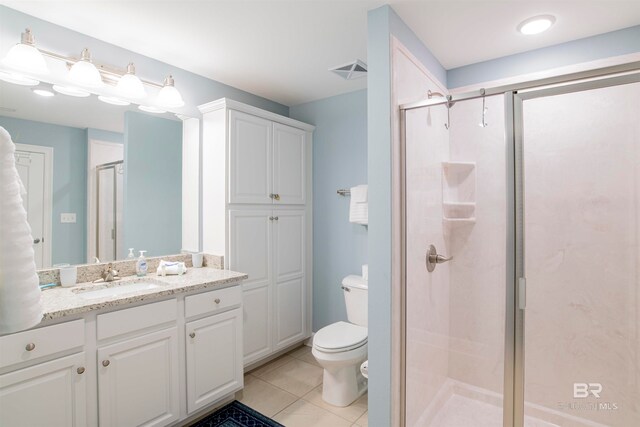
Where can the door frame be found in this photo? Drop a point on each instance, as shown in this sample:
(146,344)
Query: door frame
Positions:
(47,208)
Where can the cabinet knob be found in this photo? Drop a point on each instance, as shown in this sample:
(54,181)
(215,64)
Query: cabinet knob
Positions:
(272,195)
(192,334)
(80,370)
(276,218)
(217,300)
(30,347)
(105,363)
(270,218)
(276,196)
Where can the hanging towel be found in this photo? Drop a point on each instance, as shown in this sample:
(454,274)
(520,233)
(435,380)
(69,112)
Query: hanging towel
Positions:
(20,306)
(359,206)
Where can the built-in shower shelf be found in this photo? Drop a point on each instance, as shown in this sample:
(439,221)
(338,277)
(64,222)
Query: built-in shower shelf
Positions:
(458,193)
(459,210)
(458,221)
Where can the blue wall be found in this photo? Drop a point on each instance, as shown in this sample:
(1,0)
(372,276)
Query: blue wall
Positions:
(69,181)
(339,161)
(195,89)
(152,184)
(601,46)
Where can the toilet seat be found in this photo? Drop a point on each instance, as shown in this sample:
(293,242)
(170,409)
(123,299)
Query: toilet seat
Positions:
(340,337)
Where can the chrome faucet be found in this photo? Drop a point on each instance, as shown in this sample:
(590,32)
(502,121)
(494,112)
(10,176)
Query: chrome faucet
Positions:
(109,274)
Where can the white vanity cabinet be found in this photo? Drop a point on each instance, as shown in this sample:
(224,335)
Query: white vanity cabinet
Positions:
(138,371)
(257,212)
(53,381)
(213,346)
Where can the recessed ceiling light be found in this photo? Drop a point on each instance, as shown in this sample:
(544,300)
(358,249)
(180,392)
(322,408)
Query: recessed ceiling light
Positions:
(43,92)
(113,101)
(18,79)
(536,25)
(150,109)
(71,91)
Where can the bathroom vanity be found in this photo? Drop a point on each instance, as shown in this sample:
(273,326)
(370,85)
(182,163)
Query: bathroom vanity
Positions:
(155,354)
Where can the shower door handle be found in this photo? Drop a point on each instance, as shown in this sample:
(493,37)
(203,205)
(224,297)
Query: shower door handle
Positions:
(434,258)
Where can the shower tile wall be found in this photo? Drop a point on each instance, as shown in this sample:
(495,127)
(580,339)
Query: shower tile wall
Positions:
(427,294)
(478,275)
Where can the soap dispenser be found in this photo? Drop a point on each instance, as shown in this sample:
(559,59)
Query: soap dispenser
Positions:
(141,265)
(131,255)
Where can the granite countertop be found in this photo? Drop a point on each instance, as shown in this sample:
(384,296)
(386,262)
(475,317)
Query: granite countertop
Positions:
(59,302)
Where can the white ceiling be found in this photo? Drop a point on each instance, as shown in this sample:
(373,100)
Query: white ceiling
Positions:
(281,50)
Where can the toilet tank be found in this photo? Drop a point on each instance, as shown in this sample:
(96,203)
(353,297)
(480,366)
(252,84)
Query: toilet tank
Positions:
(356,292)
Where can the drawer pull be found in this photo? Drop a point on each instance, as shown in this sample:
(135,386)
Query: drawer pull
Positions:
(80,370)
(30,347)
(217,300)
(192,334)
(105,363)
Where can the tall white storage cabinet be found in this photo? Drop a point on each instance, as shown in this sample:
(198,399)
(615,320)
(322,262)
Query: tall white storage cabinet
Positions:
(256,211)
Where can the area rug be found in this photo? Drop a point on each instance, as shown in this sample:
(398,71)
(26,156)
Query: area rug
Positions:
(235,414)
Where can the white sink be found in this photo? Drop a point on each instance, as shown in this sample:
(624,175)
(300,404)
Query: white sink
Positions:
(117,289)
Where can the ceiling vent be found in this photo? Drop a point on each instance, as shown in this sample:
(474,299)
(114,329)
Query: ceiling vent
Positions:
(352,70)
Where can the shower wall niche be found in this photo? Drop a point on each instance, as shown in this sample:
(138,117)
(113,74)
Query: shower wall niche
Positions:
(458,193)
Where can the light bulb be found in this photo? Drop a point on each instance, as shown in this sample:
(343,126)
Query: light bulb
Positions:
(169,97)
(130,86)
(43,92)
(84,73)
(25,57)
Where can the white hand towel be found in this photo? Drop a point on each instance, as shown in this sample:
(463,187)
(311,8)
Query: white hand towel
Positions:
(171,268)
(359,206)
(20,306)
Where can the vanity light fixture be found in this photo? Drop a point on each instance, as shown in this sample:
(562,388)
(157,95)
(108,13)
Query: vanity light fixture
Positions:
(113,100)
(129,85)
(43,92)
(71,91)
(536,24)
(18,79)
(169,97)
(150,109)
(25,56)
(84,73)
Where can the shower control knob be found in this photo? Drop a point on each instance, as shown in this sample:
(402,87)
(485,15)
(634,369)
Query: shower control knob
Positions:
(434,258)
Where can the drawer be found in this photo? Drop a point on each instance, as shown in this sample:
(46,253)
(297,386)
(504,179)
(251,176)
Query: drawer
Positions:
(137,318)
(41,342)
(212,301)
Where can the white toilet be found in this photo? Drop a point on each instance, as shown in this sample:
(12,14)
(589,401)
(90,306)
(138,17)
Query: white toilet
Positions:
(341,347)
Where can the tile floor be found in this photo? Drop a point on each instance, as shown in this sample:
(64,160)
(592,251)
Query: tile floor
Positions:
(289,390)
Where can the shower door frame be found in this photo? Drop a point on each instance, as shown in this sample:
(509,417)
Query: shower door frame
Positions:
(114,231)
(514,97)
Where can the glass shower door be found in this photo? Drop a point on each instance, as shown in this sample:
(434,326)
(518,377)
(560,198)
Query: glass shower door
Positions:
(581,254)
(455,207)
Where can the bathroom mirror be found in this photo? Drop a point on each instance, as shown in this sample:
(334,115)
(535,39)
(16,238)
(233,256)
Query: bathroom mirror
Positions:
(100,178)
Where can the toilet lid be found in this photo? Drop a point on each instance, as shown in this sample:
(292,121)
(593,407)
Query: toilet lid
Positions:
(340,336)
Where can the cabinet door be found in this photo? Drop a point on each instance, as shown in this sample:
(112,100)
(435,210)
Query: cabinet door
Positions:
(256,317)
(214,358)
(250,159)
(289,164)
(47,394)
(138,382)
(289,278)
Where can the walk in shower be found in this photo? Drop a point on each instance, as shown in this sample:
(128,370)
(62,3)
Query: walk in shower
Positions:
(521,256)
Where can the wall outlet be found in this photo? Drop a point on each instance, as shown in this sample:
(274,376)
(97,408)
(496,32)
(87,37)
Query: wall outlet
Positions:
(68,218)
